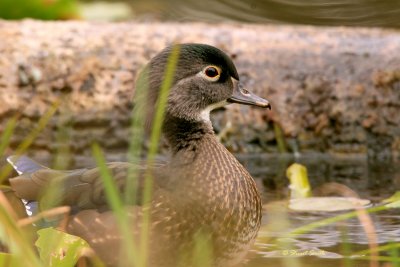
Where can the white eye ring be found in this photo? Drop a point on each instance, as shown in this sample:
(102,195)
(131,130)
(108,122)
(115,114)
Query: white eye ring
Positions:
(211,73)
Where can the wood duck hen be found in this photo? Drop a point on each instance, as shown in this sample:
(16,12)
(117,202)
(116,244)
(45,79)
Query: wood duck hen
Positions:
(201,191)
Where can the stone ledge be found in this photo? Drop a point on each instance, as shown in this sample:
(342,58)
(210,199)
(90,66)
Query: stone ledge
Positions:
(332,89)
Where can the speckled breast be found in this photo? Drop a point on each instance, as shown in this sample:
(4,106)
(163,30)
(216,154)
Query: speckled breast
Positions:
(223,199)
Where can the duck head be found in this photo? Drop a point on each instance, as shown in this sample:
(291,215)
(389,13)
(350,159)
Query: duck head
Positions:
(205,78)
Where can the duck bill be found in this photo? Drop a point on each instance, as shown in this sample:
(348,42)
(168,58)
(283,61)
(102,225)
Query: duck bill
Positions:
(242,96)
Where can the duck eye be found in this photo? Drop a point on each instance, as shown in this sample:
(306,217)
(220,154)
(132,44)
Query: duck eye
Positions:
(211,72)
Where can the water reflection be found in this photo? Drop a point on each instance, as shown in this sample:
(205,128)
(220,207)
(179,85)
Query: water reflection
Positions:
(325,245)
(315,12)
(375,180)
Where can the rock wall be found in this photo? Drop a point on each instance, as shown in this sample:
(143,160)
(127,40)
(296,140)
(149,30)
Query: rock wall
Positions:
(333,90)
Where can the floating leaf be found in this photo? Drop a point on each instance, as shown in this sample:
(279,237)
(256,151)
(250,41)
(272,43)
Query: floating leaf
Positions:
(59,249)
(299,185)
(327,203)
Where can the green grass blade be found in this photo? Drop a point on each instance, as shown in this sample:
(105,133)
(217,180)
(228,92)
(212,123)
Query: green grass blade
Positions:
(280,138)
(154,140)
(345,247)
(162,101)
(342,217)
(386,247)
(110,187)
(16,240)
(138,118)
(62,158)
(7,169)
(6,136)
(117,205)
(380,258)
(394,253)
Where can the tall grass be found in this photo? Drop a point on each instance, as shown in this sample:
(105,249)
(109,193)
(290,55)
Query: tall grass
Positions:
(117,205)
(138,253)
(18,241)
(25,144)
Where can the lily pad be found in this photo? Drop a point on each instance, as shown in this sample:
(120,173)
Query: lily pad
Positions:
(328,204)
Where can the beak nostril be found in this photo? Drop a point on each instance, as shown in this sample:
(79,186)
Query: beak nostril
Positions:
(242,96)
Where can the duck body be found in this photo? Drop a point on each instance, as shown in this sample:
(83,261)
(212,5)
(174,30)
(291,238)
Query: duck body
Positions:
(203,194)
(229,227)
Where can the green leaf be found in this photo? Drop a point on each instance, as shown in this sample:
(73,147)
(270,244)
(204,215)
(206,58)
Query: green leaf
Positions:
(59,249)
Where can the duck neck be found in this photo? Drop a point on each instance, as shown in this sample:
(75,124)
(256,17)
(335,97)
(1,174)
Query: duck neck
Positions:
(185,134)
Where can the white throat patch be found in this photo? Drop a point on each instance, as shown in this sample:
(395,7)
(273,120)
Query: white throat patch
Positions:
(205,113)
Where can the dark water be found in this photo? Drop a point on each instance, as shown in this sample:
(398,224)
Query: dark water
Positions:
(381,13)
(324,246)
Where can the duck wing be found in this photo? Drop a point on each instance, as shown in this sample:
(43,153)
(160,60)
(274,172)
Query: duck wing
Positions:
(81,189)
